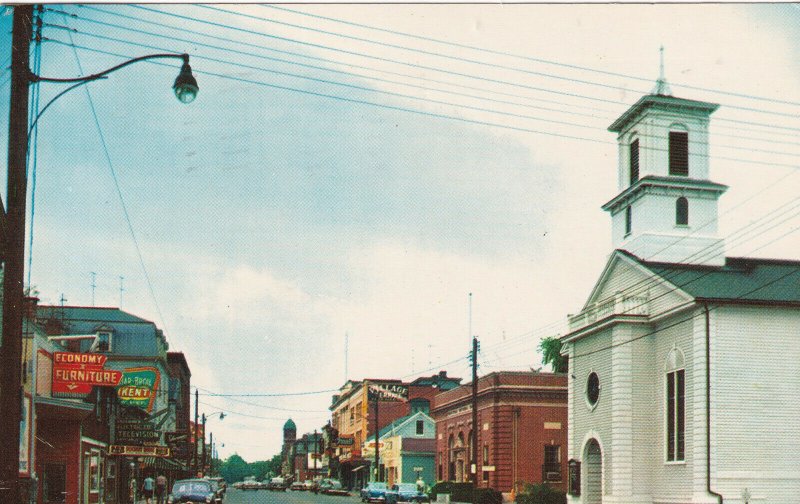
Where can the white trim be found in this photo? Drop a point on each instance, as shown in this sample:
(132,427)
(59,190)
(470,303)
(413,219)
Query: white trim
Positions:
(94,442)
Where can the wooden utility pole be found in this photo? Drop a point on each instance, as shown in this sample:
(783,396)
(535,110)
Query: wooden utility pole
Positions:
(196,431)
(12,242)
(474,455)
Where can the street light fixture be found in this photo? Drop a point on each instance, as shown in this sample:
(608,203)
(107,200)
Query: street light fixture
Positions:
(12,228)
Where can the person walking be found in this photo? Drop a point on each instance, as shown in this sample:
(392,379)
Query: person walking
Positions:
(147,489)
(161,488)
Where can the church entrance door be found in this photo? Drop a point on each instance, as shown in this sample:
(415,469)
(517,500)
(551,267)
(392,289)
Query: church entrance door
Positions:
(593,457)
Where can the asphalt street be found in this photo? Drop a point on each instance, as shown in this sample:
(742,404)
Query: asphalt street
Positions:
(234,496)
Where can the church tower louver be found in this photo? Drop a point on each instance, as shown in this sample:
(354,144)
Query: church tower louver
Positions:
(666,210)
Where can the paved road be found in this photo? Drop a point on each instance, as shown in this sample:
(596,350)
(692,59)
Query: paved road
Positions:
(234,496)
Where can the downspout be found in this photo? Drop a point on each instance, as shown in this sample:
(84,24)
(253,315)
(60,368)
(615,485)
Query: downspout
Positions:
(708,406)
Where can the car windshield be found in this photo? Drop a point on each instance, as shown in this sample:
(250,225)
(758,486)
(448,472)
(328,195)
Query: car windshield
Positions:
(191,488)
(407,487)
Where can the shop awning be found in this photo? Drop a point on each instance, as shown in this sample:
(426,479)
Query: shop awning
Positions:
(161,463)
(62,409)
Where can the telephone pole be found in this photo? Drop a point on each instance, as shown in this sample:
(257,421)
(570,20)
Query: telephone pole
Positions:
(196,431)
(474,454)
(12,228)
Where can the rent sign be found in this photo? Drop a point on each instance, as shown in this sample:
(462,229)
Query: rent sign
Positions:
(138,387)
(77,373)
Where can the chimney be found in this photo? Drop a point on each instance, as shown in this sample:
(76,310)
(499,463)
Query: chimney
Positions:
(30,304)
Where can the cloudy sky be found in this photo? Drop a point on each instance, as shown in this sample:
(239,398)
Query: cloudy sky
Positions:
(349,174)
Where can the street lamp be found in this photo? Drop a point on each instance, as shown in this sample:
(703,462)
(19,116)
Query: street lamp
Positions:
(12,229)
(221,417)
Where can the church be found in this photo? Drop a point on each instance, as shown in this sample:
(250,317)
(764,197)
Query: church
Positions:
(684,364)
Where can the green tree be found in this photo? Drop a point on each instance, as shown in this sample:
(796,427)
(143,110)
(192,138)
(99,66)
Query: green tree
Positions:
(234,469)
(551,354)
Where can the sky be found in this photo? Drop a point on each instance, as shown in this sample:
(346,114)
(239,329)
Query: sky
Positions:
(349,174)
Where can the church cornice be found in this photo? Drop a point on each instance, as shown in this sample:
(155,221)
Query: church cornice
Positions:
(652,183)
(666,103)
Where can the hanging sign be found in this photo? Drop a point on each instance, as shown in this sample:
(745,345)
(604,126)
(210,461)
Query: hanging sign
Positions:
(138,387)
(139,451)
(132,431)
(387,392)
(77,373)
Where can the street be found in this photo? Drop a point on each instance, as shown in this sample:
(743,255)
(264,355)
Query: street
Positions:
(234,496)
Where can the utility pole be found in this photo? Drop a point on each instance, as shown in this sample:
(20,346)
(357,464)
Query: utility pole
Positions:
(196,431)
(377,448)
(93,284)
(316,453)
(474,454)
(211,463)
(12,227)
(203,467)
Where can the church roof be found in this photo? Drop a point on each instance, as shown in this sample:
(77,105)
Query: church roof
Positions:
(289,425)
(741,279)
(662,102)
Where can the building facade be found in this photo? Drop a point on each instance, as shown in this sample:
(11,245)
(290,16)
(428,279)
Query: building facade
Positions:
(683,363)
(407,449)
(522,431)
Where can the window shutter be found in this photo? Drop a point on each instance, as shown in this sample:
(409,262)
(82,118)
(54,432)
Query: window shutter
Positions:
(679,153)
(634,161)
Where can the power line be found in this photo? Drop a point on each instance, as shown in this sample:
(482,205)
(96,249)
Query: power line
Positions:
(463,60)
(523,57)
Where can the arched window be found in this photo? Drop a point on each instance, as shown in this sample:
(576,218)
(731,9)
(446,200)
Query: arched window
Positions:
(675,409)
(682,212)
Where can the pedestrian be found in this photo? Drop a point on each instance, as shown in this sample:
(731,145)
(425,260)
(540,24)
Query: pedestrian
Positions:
(147,489)
(420,484)
(161,488)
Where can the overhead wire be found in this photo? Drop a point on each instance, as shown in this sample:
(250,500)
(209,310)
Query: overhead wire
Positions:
(461,59)
(446,116)
(523,57)
(126,28)
(118,188)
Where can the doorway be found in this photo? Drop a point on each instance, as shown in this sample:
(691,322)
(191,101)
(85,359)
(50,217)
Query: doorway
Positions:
(593,486)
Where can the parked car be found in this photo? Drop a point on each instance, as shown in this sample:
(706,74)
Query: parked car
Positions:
(297,485)
(405,492)
(375,491)
(192,491)
(219,493)
(250,485)
(277,484)
(332,487)
(222,486)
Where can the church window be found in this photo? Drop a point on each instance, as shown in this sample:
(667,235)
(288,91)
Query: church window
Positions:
(628,221)
(634,161)
(676,406)
(682,212)
(679,153)
(592,389)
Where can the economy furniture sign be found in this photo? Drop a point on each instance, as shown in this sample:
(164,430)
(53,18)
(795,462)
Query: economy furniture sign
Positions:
(77,373)
(138,387)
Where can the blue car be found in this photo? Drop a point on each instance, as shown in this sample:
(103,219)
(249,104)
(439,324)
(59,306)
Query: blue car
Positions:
(375,491)
(405,492)
(195,491)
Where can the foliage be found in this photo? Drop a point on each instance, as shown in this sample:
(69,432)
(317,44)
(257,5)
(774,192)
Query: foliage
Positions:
(462,492)
(541,493)
(235,468)
(551,354)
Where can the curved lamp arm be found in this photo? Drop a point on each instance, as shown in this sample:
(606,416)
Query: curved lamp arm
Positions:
(38,78)
(185,86)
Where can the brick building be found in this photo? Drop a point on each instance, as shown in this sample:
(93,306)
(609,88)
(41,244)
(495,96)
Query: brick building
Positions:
(522,436)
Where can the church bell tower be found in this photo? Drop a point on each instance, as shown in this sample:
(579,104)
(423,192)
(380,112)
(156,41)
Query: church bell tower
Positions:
(666,209)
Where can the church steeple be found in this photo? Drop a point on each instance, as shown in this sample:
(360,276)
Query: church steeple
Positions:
(666,210)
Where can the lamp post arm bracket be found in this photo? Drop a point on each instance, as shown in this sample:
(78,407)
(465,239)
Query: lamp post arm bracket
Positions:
(99,75)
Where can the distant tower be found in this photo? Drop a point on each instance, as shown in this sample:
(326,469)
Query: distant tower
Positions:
(289,437)
(666,210)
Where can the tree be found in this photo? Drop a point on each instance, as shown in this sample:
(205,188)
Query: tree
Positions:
(234,469)
(551,354)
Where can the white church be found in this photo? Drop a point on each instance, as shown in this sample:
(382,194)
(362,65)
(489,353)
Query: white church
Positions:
(684,364)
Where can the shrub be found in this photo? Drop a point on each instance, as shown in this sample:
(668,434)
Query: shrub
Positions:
(462,492)
(541,494)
